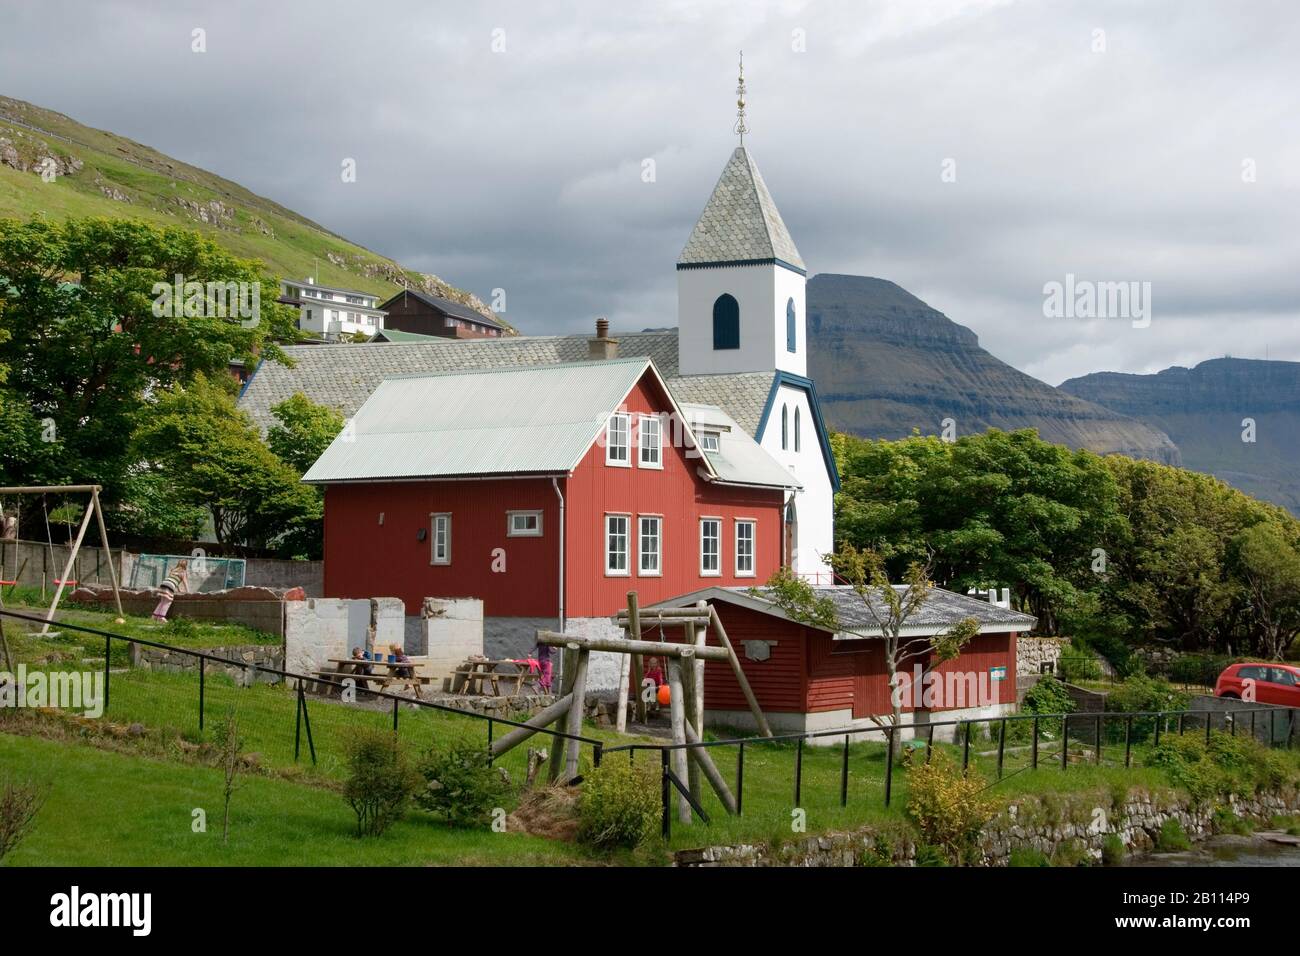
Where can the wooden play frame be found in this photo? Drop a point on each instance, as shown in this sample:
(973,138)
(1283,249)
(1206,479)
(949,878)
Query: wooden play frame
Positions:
(94,509)
(686,688)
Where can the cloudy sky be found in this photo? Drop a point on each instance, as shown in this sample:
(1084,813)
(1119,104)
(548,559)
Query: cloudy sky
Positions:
(501,145)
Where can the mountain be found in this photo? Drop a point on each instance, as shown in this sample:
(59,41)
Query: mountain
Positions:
(96,173)
(1203,409)
(885,363)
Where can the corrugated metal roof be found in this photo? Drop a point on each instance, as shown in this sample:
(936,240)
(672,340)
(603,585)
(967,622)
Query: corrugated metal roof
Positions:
(739,458)
(539,419)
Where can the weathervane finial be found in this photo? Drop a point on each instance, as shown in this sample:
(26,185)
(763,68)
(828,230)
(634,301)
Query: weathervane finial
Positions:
(740,126)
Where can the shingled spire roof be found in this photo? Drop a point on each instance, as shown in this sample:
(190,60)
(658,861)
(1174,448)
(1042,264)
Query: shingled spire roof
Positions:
(740,223)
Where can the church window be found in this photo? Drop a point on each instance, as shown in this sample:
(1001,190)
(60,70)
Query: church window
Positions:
(796,430)
(785,428)
(726,323)
(790,338)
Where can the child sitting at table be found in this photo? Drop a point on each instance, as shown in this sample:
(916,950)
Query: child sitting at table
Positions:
(398,656)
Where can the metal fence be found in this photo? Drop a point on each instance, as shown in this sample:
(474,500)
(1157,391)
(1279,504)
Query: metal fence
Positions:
(203,573)
(302,718)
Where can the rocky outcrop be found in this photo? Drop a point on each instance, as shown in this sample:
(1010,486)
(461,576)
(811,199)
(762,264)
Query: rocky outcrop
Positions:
(27,154)
(886,363)
(1237,419)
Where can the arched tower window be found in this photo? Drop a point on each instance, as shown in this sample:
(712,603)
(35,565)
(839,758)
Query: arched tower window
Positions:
(785,428)
(791,339)
(726,322)
(796,429)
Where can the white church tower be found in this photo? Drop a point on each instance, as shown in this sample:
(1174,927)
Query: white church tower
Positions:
(740,308)
(740,279)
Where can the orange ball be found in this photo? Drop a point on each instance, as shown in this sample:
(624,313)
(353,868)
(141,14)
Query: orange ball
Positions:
(665,695)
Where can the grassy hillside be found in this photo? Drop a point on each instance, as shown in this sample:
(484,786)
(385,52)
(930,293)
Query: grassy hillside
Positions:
(101,174)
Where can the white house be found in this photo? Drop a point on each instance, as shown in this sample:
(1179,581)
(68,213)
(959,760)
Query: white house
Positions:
(332,313)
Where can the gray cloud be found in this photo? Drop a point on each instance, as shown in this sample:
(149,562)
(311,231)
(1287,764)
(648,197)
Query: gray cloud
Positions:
(522,169)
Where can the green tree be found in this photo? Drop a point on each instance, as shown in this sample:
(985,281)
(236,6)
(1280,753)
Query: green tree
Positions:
(1271,569)
(216,459)
(85,345)
(303,431)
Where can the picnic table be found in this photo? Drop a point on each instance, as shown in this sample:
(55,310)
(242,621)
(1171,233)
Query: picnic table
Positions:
(470,677)
(381,672)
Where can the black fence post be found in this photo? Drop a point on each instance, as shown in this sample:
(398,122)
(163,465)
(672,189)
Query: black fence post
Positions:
(1181,716)
(203,666)
(306,723)
(1209,723)
(929,744)
(1290,730)
(666,825)
(1033,750)
(1253,734)
(1101,727)
(1065,741)
(965,750)
(597,753)
(889,765)
(798,772)
(490,757)
(395,715)
(844,774)
(108,651)
(1230,719)
(1159,720)
(1128,741)
(1272,726)
(1002,745)
(297,722)
(740,779)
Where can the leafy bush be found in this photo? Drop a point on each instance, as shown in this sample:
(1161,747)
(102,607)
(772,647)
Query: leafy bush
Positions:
(1226,821)
(620,805)
(930,855)
(380,780)
(1112,850)
(1048,696)
(1028,857)
(1141,693)
(1172,838)
(20,802)
(1227,765)
(948,806)
(460,784)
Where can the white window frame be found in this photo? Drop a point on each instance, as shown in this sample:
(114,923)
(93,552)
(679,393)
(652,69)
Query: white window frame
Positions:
(436,517)
(658,572)
(513,532)
(657,446)
(717,537)
(752,525)
(708,439)
(626,570)
(625,446)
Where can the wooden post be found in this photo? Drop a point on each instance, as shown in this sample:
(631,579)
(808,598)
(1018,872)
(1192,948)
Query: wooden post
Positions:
(534,724)
(688,710)
(677,716)
(569,663)
(638,672)
(701,639)
(573,719)
(620,646)
(103,544)
(701,756)
(624,675)
(743,681)
(72,557)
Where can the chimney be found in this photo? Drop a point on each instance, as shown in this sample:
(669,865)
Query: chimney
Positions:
(602,346)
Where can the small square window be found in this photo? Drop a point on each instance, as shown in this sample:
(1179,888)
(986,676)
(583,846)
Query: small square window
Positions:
(744,548)
(523,524)
(710,546)
(650,545)
(617,441)
(649,437)
(616,534)
(710,441)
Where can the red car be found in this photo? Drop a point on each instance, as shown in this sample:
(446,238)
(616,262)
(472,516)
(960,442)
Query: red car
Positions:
(1261,683)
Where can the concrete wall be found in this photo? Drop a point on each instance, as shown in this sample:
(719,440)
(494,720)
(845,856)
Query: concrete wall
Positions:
(451,630)
(275,573)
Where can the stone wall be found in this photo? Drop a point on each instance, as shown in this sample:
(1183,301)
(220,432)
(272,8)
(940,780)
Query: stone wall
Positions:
(256,608)
(1028,824)
(262,655)
(1033,652)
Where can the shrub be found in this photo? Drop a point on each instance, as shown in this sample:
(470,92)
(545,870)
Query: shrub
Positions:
(460,784)
(1197,668)
(1139,692)
(1172,838)
(380,780)
(182,627)
(620,805)
(1028,857)
(1112,850)
(929,855)
(1226,821)
(1227,765)
(20,802)
(948,806)
(1080,665)
(1070,852)
(1048,696)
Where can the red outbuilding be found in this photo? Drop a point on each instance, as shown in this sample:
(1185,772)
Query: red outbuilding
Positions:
(809,679)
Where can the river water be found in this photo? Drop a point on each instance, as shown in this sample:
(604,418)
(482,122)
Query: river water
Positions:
(1227,850)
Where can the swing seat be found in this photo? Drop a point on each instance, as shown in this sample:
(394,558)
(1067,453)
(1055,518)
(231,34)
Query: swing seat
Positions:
(73,583)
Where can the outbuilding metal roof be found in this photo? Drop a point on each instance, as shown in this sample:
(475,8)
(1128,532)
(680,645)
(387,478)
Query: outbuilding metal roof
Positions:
(941,610)
(538,419)
(739,458)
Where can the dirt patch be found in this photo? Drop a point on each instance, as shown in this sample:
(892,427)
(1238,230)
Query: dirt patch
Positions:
(549,812)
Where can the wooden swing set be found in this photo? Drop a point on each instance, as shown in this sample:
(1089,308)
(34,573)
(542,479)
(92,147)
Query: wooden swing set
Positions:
(686,692)
(93,509)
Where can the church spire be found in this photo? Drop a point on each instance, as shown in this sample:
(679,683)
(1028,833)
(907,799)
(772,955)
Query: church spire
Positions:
(740,126)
